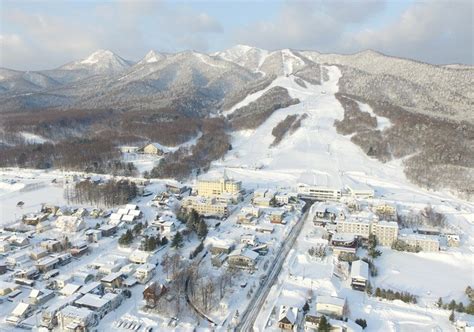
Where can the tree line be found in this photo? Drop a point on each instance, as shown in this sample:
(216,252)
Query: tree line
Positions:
(108,194)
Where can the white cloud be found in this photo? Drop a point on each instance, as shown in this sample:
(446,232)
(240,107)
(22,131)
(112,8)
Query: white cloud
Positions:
(439,32)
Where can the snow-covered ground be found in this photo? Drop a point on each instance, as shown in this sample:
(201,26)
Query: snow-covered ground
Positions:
(33,187)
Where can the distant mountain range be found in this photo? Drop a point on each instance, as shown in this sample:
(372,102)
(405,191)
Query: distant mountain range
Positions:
(205,83)
(170,97)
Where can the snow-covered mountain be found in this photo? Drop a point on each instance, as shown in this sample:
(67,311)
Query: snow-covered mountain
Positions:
(429,107)
(102,62)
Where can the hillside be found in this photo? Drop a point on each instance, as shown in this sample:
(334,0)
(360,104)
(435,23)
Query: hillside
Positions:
(392,110)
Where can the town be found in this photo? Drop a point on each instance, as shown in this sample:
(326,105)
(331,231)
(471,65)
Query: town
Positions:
(216,253)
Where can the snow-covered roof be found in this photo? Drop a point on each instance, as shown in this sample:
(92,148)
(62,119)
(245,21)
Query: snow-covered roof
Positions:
(128,217)
(70,289)
(20,309)
(360,270)
(111,277)
(336,301)
(146,268)
(91,300)
(81,313)
(288,314)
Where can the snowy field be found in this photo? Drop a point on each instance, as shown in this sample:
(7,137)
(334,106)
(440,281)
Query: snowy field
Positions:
(33,187)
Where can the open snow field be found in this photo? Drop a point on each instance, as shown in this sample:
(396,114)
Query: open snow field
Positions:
(33,187)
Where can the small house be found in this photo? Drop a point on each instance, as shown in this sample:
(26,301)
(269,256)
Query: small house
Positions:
(153,293)
(287,318)
(4,246)
(242,258)
(108,230)
(152,148)
(359,275)
(277,217)
(93,235)
(52,245)
(72,319)
(95,303)
(21,311)
(47,264)
(113,280)
(144,273)
(79,248)
(139,257)
(70,224)
(70,289)
(219,248)
(331,306)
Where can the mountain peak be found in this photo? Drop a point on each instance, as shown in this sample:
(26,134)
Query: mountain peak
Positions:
(152,56)
(98,56)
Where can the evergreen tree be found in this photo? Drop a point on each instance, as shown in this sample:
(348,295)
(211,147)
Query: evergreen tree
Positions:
(440,302)
(126,238)
(368,289)
(177,241)
(378,292)
(460,307)
(324,325)
(451,316)
(306,307)
(452,305)
(361,322)
(164,241)
(202,229)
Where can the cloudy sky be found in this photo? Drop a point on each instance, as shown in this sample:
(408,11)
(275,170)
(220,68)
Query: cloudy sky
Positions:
(46,34)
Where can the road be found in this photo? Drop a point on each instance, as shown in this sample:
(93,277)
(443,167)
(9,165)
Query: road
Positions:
(251,312)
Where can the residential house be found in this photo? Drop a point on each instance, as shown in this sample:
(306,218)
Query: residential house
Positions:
(52,245)
(38,253)
(144,273)
(74,319)
(219,248)
(47,264)
(139,257)
(287,318)
(70,224)
(93,235)
(242,258)
(153,293)
(113,280)
(277,217)
(22,310)
(38,297)
(79,248)
(152,148)
(331,306)
(108,230)
(95,303)
(4,246)
(359,275)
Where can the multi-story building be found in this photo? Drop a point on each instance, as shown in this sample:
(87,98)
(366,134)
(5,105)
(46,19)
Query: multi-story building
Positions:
(425,242)
(319,192)
(386,210)
(386,232)
(213,188)
(359,227)
(206,206)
